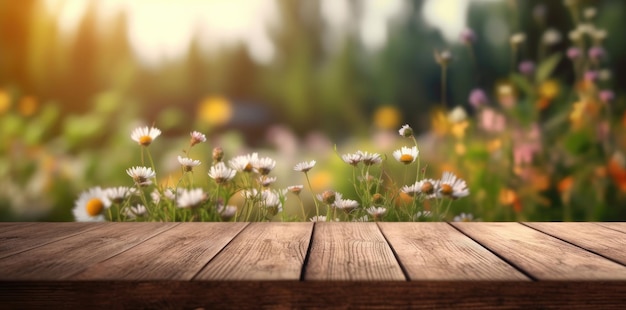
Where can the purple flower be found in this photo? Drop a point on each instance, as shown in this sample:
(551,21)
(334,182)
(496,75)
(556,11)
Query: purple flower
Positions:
(573,53)
(591,76)
(595,53)
(527,67)
(606,95)
(468,36)
(477,98)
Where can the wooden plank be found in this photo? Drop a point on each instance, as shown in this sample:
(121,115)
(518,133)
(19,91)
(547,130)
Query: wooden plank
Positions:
(262,251)
(599,239)
(25,236)
(8,226)
(619,226)
(176,254)
(61,259)
(540,255)
(313,295)
(437,251)
(351,251)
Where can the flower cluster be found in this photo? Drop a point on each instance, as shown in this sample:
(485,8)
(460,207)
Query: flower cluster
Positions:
(242,189)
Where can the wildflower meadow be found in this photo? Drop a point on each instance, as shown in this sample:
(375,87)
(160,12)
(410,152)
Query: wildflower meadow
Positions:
(518,117)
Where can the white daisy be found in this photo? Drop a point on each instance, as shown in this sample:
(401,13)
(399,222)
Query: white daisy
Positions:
(363,218)
(188,163)
(370,159)
(90,205)
(264,165)
(266,181)
(304,166)
(144,135)
(120,193)
(134,211)
(141,175)
(196,137)
(226,212)
(329,197)
(221,174)
(376,212)
(250,193)
(244,163)
(318,218)
(406,131)
(412,190)
(272,201)
(347,205)
(296,189)
(464,217)
(190,198)
(452,187)
(421,215)
(352,159)
(406,155)
(168,193)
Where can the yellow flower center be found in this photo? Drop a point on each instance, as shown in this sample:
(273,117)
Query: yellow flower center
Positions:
(145,140)
(94,206)
(248,167)
(406,158)
(446,189)
(427,188)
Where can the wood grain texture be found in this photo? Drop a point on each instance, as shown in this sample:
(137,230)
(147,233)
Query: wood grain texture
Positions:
(351,251)
(437,251)
(313,294)
(590,236)
(19,238)
(262,251)
(621,226)
(176,254)
(61,259)
(540,255)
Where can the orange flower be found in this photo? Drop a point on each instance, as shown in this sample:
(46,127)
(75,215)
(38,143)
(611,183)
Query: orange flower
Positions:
(616,168)
(565,185)
(509,197)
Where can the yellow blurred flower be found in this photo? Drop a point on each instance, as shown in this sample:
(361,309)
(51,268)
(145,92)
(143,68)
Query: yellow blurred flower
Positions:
(439,122)
(458,129)
(583,110)
(5,101)
(215,110)
(460,148)
(321,180)
(28,106)
(509,197)
(387,117)
(494,145)
(549,89)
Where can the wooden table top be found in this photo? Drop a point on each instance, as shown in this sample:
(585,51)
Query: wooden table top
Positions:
(479,263)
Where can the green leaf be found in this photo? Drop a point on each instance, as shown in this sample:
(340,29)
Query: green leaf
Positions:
(545,68)
(522,83)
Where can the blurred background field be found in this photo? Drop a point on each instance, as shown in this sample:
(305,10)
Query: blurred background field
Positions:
(293,79)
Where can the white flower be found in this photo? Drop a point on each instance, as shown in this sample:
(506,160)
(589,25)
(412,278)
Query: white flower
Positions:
(144,135)
(518,38)
(221,174)
(464,217)
(452,187)
(134,211)
(352,159)
(90,205)
(347,205)
(318,218)
(376,212)
(226,212)
(188,163)
(264,165)
(411,190)
(272,201)
(190,198)
(426,186)
(406,131)
(329,197)
(118,194)
(370,159)
(420,215)
(196,137)
(266,181)
(296,189)
(551,37)
(363,218)
(141,175)
(457,115)
(244,163)
(304,166)
(168,193)
(250,194)
(406,155)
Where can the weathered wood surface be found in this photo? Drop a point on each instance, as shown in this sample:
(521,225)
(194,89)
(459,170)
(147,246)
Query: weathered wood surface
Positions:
(294,265)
